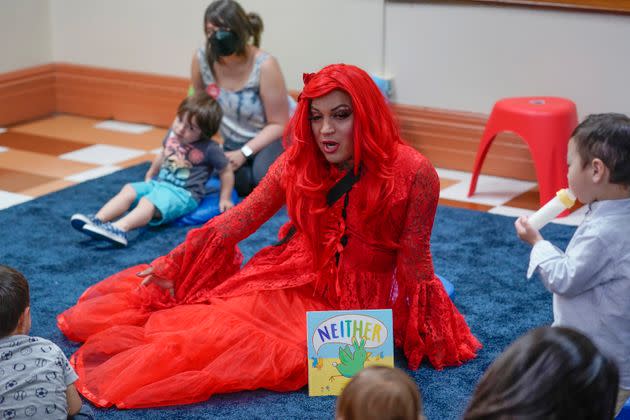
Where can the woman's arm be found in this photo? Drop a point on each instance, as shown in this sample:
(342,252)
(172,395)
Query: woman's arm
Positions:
(414,257)
(208,254)
(195,74)
(273,93)
(428,322)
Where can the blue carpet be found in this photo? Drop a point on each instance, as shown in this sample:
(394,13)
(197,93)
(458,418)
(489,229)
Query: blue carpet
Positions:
(478,252)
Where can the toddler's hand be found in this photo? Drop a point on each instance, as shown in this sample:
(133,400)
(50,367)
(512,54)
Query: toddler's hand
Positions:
(149,278)
(225,205)
(526,232)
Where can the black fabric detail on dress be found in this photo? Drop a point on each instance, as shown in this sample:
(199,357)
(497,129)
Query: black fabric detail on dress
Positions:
(344,238)
(341,187)
(335,193)
(286,238)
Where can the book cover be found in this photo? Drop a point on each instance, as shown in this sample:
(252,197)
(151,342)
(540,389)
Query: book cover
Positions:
(341,343)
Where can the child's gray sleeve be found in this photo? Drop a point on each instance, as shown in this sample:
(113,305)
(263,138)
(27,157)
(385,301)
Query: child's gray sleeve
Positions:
(69,375)
(542,251)
(216,157)
(584,266)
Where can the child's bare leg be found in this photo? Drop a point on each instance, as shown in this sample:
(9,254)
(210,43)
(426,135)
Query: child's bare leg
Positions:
(140,216)
(118,205)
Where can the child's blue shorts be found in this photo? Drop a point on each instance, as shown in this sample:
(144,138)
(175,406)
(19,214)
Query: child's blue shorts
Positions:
(171,201)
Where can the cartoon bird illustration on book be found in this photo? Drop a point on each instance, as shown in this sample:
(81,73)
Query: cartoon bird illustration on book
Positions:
(351,362)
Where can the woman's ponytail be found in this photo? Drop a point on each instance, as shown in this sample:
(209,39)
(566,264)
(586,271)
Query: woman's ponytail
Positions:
(256,25)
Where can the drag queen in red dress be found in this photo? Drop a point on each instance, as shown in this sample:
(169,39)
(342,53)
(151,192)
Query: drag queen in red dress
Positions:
(361,205)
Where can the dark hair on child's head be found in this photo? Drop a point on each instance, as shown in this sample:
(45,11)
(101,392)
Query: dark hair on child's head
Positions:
(549,373)
(206,111)
(14,299)
(380,392)
(228,14)
(606,137)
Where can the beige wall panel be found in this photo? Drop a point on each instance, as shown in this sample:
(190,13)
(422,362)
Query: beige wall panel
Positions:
(466,56)
(25,33)
(159,36)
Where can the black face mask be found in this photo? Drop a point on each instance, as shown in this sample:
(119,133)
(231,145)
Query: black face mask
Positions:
(224,42)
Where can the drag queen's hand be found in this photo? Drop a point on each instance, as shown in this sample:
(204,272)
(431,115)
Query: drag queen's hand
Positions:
(150,278)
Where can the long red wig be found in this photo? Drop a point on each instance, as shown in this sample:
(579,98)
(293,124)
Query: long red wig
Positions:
(376,137)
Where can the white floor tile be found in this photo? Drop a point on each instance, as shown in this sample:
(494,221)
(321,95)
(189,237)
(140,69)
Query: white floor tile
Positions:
(452,174)
(3,149)
(8,199)
(124,127)
(510,211)
(102,154)
(491,190)
(92,173)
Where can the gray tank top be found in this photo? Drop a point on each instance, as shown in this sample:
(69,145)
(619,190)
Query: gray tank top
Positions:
(243,110)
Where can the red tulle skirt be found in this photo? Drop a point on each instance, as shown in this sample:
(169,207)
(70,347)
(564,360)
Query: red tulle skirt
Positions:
(140,357)
(230,329)
(143,349)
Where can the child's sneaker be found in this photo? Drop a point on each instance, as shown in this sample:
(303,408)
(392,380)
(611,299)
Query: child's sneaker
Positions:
(106,231)
(78,221)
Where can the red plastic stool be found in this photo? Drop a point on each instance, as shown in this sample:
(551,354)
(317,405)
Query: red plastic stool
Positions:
(545,123)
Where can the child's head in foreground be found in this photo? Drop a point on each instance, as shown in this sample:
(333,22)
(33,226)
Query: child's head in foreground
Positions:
(599,158)
(549,373)
(198,117)
(15,314)
(380,392)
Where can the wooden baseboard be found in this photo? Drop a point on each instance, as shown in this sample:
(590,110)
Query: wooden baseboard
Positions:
(91,92)
(120,95)
(27,94)
(448,138)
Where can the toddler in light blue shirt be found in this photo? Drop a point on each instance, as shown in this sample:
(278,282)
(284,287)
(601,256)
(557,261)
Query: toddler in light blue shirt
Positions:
(590,281)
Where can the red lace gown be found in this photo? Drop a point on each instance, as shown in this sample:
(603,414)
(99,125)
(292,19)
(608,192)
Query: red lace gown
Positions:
(229,329)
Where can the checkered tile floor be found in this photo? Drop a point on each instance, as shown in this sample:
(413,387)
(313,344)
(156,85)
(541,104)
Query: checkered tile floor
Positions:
(44,156)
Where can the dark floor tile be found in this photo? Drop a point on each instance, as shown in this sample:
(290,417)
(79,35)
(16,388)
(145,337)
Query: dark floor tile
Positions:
(529,200)
(38,144)
(16,181)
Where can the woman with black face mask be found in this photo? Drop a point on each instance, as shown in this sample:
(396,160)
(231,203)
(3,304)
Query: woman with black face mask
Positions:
(251,90)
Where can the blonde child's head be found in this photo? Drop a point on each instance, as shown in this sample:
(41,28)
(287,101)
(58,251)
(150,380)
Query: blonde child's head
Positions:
(599,158)
(380,392)
(15,314)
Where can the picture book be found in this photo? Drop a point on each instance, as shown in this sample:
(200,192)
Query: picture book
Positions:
(341,343)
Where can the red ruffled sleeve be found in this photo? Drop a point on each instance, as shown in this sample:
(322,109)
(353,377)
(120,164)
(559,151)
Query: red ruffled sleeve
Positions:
(209,254)
(425,319)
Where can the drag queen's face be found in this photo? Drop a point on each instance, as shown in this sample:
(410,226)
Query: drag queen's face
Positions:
(332,121)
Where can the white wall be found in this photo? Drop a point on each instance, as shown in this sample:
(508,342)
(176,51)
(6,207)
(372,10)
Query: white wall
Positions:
(459,56)
(140,35)
(25,33)
(465,56)
(306,35)
(159,36)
